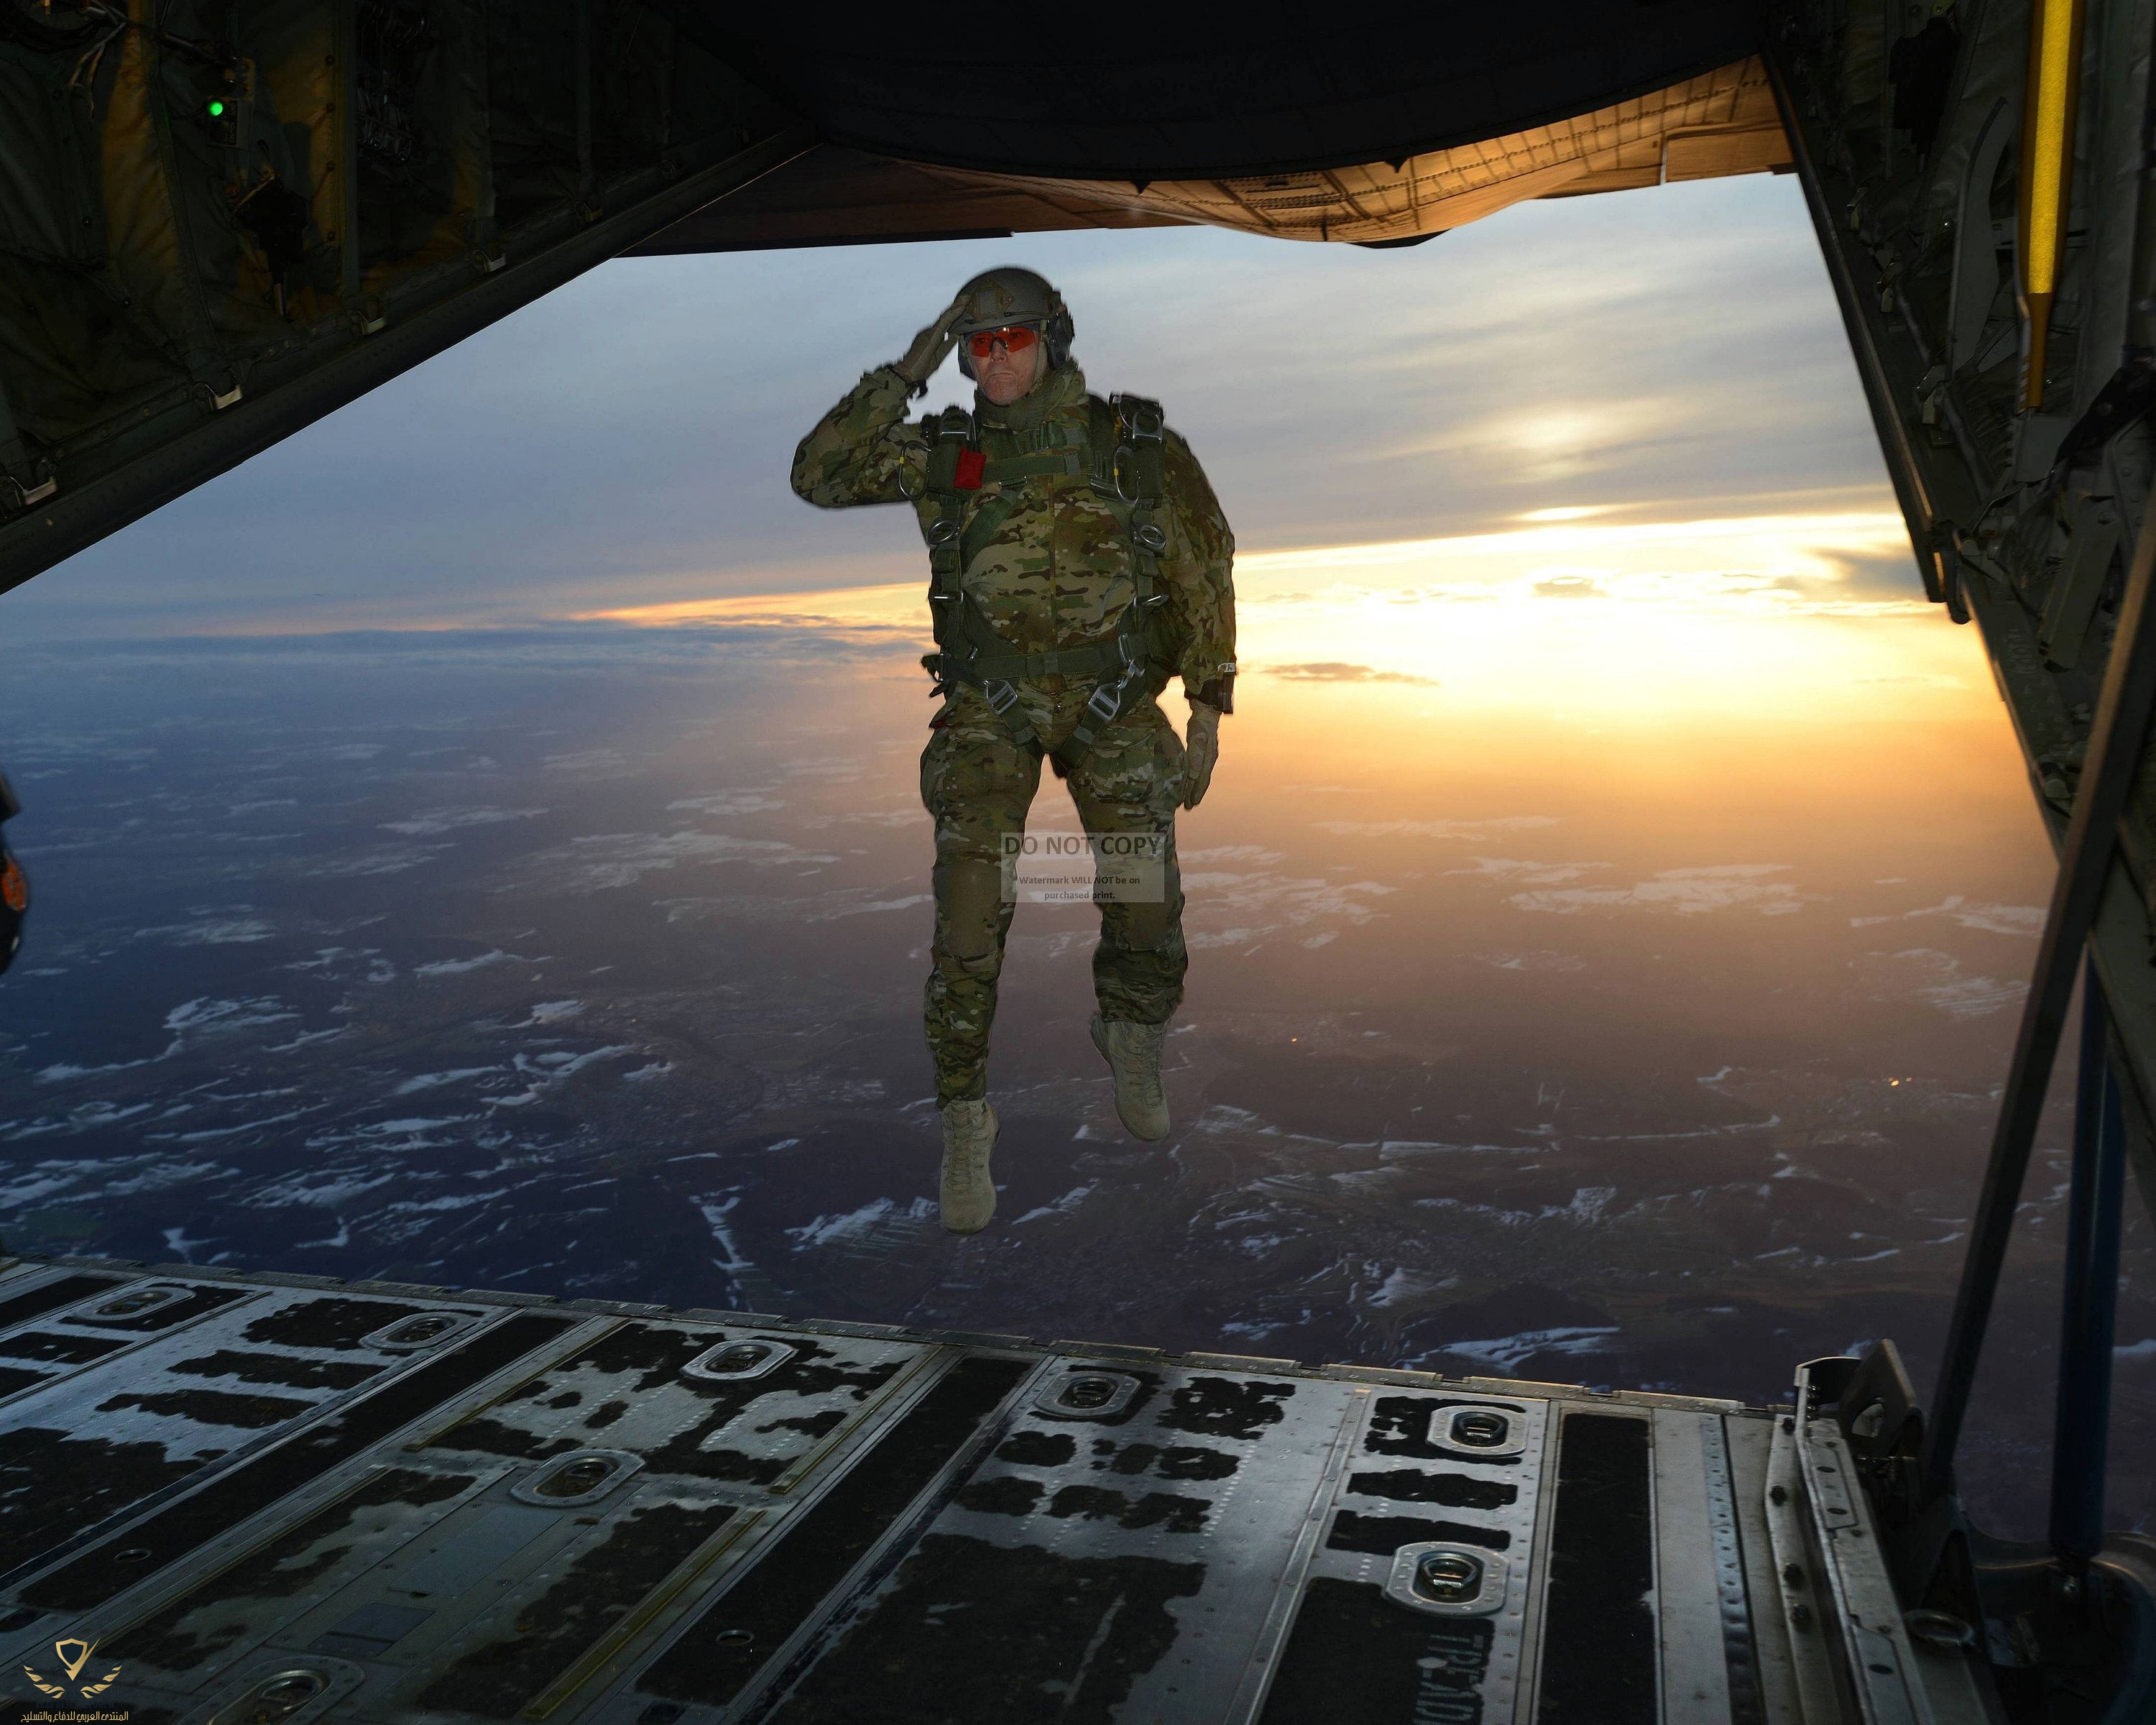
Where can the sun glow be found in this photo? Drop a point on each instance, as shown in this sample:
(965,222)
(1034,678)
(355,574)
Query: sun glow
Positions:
(1717,560)
(1712,616)
(1739,620)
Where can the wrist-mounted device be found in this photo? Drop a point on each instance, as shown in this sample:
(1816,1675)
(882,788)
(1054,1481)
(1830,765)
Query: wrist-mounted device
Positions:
(1217,691)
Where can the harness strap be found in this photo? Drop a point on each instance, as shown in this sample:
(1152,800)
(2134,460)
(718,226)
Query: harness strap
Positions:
(982,528)
(1090,660)
(1071,462)
(1138,468)
(1105,706)
(954,437)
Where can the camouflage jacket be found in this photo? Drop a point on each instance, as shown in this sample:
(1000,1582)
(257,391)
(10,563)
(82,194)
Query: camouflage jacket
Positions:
(1056,572)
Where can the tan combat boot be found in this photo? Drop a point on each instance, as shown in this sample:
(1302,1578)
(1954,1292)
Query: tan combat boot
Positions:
(1132,1052)
(968,1194)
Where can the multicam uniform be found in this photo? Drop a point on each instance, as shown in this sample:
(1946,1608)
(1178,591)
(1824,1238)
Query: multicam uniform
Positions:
(1055,571)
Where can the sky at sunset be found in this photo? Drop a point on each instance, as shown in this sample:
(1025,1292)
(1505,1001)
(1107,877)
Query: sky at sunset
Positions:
(1623,362)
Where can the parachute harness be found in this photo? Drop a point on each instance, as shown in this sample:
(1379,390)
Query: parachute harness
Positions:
(1120,451)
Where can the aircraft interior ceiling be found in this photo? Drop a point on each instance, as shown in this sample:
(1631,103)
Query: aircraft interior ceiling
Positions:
(1716,122)
(1284,89)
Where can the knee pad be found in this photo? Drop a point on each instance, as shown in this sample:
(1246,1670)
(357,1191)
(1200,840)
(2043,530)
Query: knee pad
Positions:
(969,912)
(1144,928)
(1148,926)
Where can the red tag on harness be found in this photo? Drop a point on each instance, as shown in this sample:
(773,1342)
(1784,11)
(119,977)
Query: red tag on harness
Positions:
(971,464)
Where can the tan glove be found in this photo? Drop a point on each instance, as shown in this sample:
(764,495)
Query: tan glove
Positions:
(1201,752)
(931,348)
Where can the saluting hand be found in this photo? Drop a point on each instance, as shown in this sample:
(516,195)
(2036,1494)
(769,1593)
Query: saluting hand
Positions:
(1201,752)
(931,348)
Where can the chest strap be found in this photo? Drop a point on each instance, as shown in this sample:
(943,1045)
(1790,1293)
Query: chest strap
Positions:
(1071,463)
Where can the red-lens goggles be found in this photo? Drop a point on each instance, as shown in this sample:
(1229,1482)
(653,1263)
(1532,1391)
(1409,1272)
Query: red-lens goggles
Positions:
(1016,338)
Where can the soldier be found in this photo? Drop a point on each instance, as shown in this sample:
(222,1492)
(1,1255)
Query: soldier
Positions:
(1078,559)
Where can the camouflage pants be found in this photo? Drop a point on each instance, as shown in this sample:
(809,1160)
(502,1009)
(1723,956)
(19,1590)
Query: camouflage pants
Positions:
(978,784)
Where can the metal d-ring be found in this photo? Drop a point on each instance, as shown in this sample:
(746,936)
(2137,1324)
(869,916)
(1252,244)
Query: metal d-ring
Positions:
(1115,471)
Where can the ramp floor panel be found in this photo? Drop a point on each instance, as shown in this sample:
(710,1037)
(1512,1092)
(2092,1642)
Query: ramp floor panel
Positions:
(275,1498)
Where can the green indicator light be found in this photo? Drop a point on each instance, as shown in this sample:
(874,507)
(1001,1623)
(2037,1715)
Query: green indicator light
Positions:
(215,109)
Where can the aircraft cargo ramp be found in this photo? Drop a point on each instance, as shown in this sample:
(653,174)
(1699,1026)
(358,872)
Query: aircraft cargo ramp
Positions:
(260,1497)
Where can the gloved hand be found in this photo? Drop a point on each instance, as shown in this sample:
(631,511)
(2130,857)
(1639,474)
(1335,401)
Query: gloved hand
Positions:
(930,348)
(1201,752)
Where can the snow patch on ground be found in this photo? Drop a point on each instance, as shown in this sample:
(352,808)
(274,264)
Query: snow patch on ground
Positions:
(1063,1206)
(1958,995)
(382,860)
(434,1080)
(715,1214)
(726,802)
(181,1246)
(1686,892)
(1509,1353)
(1528,873)
(1469,830)
(218,930)
(602,862)
(854,1224)
(1535,961)
(1401,1285)
(449,820)
(183,1020)
(1265,904)
(591,763)
(333,1242)
(1974,997)
(550,1069)
(1235,853)
(1992,919)
(458,967)
(551,1012)
(325,1194)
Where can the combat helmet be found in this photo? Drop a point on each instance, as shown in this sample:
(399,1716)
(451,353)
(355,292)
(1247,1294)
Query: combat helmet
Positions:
(1008,296)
